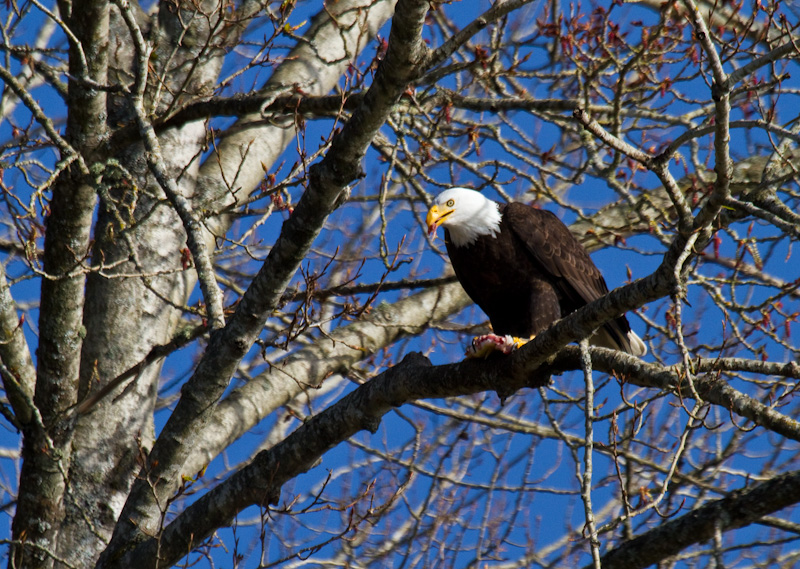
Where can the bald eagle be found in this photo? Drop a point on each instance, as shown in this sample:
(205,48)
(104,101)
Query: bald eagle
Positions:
(523,267)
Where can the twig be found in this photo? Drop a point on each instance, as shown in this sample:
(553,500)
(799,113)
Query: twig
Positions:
(588,449)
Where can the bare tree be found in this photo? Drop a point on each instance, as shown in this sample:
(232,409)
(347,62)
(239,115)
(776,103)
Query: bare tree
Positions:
(215,270)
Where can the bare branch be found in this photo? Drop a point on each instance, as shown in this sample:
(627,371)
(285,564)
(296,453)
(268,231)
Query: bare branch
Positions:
(742,508)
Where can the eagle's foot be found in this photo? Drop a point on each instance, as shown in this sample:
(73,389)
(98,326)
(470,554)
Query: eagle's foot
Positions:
(482,346)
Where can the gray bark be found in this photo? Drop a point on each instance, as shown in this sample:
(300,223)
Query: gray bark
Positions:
(46,449)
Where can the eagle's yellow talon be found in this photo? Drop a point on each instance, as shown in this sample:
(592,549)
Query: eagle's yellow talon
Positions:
(483,346)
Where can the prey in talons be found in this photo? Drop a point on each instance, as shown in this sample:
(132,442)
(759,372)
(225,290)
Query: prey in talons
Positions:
(482,346)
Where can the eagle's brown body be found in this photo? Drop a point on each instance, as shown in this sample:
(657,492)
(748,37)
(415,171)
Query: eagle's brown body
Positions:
(530,273)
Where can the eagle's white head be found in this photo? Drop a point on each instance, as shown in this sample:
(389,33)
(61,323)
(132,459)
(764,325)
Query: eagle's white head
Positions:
(465,213)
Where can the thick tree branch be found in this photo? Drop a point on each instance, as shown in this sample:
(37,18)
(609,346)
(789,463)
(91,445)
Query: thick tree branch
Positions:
(708,383)
(742,508)
(40,503)
(140,277)
(15,355)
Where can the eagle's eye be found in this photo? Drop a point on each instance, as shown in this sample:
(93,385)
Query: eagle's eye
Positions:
(450,203)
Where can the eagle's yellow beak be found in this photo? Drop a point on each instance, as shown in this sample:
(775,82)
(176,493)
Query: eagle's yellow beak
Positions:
(435,218)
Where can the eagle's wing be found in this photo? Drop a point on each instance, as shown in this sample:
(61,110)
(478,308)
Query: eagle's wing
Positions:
(556,251)
(551,246)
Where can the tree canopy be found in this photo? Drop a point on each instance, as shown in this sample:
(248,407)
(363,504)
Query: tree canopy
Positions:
(227,338)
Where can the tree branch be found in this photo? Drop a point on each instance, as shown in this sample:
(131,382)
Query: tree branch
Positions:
(15,355)
(742,508)
(708,383)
